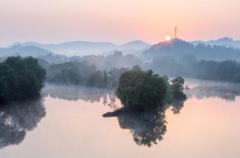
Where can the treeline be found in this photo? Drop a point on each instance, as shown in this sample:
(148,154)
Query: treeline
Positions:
(218,71)
(116,60)
(102,62)
(92,70)
(20,79)
(188,66)
(82,73)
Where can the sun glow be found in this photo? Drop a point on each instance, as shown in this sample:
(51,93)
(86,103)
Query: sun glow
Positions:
(168,38)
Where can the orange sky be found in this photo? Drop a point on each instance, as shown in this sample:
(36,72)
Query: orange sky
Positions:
(116,20)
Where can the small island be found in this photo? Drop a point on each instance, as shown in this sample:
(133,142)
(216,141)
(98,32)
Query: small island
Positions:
(140,90)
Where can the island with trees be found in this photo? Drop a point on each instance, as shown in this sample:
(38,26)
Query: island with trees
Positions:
(140,90)
(145,97)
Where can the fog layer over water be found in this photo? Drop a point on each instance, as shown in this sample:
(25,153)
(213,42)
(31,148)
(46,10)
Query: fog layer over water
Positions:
(68,122)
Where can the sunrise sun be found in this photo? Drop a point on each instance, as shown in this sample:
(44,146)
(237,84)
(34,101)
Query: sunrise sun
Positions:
(168,38)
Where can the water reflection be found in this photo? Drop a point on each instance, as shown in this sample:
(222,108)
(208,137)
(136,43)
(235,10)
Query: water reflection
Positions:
(226,91)
(18,118)
(74,93)
(147,127)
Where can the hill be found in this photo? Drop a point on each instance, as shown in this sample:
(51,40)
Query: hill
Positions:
(178,48)
(20,50)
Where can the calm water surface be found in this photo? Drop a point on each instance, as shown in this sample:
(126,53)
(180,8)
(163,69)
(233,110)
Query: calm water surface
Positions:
(68,122)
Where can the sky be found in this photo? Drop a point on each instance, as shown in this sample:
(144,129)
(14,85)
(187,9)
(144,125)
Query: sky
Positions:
(118,21)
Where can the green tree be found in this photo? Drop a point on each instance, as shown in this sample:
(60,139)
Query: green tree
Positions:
(145,90)
(140,89)
(20,79)
(177,88)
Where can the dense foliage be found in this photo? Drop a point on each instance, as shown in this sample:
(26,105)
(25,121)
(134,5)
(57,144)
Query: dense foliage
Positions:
(20,79)
(145,90)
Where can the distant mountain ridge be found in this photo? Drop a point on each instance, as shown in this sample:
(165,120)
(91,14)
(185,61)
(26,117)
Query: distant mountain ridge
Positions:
(19,50)
(177,48)
(82,48)
(225,41)
(138,44)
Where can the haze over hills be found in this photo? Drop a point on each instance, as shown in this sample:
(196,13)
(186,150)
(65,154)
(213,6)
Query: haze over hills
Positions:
(20,50)
(138,44)
(173,57)
(82,48)
(225,41)
(176,48)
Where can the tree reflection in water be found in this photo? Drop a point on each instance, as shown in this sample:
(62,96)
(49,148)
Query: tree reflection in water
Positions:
(225,91)
(149,126)
(87,94)
(18,118)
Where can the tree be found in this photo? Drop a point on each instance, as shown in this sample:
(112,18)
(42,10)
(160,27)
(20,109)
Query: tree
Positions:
(142,90)
(20,79)
(139,89)
(177,88)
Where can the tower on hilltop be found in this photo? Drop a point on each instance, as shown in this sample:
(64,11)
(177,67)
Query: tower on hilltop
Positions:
(175,32)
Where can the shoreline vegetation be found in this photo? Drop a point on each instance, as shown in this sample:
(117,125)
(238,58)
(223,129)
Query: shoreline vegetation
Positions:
(21,79)
(145,96)
(98,71)
(103,71)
